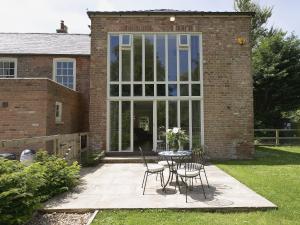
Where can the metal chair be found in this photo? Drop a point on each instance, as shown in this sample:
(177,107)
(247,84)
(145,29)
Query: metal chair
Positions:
(191,170)
(151,169)
(202,160)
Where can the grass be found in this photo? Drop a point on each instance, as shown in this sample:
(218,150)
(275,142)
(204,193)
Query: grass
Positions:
(274,173)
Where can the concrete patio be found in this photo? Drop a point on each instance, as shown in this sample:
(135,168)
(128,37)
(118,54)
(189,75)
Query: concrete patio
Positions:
(118,186)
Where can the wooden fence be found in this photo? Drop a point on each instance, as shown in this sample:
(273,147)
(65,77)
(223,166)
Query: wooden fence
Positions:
(277,136)
(68,146)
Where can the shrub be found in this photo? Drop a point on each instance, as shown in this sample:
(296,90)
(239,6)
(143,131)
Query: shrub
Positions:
(60,176)
(23,188)
(91,158)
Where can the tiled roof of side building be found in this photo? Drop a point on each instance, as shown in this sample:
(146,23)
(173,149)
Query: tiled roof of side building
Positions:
(170,12)
(45,43)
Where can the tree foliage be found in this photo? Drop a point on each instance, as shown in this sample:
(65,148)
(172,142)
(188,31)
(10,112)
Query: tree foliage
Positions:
(276,68)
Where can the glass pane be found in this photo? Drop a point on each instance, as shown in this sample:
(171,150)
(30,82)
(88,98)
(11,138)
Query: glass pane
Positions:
(195,55)
(172,88)
(125,39)
(184,65)
(70,65)
(183,39)
(114,58)
(161,90)
(149,55)
(126,90)
(172,114)
(196,124)
(114,126)
(114,90)
(161,123)
(172,60)
(138,91)
(184,90)
(12,72)
(137,49)
(65,65)
(59,65)
(184,119)
(126,65)
(1,65)
(160,58)
(12,65)
(149,89)
(195,89)
(126,126)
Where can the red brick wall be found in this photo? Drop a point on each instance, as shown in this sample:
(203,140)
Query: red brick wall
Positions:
(228,101)
(41,66)
(31,107)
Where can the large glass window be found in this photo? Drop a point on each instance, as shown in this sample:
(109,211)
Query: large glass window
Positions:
(65,72)
(154,84)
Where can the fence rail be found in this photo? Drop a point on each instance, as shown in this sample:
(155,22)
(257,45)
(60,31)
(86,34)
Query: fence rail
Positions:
(277,136)
(68,146)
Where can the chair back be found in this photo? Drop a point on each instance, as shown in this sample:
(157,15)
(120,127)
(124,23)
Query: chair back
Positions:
(161,146)
(143,156)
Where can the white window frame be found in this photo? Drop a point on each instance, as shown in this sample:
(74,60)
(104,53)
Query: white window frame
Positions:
(9,59)
(154,98)
(56,60)
(58,119)
(182,44)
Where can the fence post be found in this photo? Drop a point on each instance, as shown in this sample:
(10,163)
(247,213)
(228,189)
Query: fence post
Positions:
(277,137)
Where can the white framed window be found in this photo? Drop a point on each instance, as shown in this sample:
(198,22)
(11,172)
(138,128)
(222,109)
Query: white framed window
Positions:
(58,112)
(8,67)
(126,40)
(64,72)
(183,40)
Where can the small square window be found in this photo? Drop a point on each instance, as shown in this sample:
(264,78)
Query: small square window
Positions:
(114,90)
(138,90)
(149,90)
(126,90)
(172,89)
(184,90)
(161,90)
(58,112)
(195,89)
(126,40)
(183,40)
(8,68)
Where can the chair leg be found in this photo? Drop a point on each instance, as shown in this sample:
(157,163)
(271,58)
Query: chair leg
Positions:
(163,179)
(206,177)
(143,179)
(145,183)
(202,186)
(186,189)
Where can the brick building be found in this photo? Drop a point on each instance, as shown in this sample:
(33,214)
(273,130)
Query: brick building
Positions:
(138,74)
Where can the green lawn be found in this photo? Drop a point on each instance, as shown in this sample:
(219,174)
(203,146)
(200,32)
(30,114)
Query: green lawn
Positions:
(274,173)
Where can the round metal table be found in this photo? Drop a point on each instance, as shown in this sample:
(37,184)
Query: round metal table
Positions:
(171,157)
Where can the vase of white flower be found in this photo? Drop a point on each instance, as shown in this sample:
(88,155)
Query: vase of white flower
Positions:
(176,138)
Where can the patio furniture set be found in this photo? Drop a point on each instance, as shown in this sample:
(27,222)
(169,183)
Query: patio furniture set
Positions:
(186,166)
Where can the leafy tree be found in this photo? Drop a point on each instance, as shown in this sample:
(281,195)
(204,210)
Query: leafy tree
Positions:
(276,67)
(262,14)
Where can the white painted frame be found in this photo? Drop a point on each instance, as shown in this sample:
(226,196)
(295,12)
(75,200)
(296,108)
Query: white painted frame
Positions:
(154,98)
(15,61)
(73,60)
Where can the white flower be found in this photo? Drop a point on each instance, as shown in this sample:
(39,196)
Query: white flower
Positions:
(175,130)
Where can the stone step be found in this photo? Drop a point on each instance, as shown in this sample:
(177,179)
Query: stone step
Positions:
(128,159)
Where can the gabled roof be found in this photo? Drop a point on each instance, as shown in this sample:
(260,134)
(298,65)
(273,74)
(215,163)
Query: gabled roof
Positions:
(168,12)
(45,43)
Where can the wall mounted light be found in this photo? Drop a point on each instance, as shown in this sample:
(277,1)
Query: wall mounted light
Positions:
(241,40)
(172,18)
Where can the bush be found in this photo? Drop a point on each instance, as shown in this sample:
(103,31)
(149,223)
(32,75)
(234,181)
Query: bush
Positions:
(91,158)
(22,188)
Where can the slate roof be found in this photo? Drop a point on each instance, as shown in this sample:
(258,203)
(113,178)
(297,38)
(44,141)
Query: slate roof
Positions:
(45,43)
(169,12)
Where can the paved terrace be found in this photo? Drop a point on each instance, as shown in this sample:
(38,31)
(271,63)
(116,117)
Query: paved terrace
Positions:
(118,186)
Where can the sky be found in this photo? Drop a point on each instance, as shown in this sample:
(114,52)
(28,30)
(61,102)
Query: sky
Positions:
(39,16)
